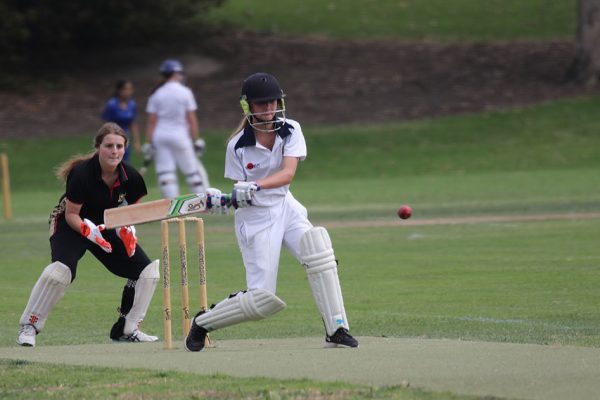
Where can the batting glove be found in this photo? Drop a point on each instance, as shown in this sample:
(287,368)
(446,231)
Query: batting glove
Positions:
(199,147)
(127,236)
(217,203)
(242,194)
(94,234)
(148,151)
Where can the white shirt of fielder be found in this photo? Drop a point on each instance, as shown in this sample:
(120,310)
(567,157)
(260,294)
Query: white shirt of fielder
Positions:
(276,218)
(170,103)
(172,141)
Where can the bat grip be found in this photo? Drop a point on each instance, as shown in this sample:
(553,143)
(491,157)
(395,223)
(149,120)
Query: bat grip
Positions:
(225,201)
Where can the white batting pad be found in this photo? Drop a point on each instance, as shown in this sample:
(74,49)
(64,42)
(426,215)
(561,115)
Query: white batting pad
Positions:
(253,305)
(144,289)
(317,256)
(48,290)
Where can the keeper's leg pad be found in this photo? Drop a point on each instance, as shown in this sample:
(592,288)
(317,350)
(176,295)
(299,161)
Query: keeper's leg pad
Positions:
(144,289)
(317,257)
(48,290)
(244,306)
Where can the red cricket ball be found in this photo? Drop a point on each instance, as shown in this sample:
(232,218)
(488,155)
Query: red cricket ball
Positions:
(404,212)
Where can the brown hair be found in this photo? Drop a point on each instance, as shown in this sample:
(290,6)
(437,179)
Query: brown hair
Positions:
(62,172)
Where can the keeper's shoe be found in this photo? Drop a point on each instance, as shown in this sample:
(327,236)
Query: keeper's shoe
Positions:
(341,338)
(26,336)
(196,337)
(137,337)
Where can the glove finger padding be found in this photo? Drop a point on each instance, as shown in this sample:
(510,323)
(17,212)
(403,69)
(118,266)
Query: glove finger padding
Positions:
(199,147)
(94,234)
(216,202)
(243,193)
(148,152)
(129,239)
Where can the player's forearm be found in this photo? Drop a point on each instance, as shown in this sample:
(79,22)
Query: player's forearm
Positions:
(150,127)
(193,125)
(74,221)
(278,179)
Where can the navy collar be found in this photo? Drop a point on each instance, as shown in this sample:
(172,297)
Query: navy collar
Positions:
(248,139)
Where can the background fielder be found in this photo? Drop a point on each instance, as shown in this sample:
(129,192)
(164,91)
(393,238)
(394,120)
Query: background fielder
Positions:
(262,157)
(121,109)
(172,133)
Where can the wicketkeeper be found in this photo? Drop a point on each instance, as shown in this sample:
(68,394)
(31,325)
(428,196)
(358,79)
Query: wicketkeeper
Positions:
(94,183)
(262,157)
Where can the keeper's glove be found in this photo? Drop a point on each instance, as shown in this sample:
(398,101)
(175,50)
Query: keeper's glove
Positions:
(127,236)
(199,147)
(242,194)
(217,204)
(94,234)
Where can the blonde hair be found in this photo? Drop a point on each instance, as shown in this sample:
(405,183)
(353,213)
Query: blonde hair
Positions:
(109,128)
(241,125)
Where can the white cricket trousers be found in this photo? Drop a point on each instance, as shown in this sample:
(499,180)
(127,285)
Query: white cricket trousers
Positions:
(261,231)
(173,152)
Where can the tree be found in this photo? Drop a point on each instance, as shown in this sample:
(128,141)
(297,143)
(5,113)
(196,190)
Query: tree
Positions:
(38,32)
(586,65)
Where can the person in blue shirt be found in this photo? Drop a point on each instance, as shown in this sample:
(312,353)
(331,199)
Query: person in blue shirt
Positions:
(121,109)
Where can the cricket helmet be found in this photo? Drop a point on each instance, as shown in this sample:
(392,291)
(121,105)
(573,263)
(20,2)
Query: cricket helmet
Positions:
(261,87)
(171,66)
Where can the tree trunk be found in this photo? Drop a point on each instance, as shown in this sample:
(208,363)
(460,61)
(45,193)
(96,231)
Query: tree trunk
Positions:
(586,65)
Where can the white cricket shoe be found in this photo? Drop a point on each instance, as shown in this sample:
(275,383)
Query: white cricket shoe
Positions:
(137,336)
(26,336)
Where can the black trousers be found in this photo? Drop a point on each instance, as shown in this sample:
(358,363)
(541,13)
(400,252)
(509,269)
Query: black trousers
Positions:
(68,246)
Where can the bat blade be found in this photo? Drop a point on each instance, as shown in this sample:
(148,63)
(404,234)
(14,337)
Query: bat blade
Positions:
(155,210)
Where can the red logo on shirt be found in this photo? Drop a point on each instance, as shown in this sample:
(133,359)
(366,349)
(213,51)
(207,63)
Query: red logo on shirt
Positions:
(252,166)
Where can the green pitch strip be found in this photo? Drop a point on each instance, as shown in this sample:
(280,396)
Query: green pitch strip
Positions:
(479,368)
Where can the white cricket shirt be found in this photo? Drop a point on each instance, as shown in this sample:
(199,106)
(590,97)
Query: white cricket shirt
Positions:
(170,103)
(247,160)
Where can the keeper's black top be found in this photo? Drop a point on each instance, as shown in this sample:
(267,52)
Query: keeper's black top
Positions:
(85,186)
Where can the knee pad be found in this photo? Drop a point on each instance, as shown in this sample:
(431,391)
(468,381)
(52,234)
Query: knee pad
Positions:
(169,187)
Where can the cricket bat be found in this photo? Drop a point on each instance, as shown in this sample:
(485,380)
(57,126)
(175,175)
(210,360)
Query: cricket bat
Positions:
(158,210)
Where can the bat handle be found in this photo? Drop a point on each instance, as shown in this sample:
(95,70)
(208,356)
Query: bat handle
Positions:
(225,201)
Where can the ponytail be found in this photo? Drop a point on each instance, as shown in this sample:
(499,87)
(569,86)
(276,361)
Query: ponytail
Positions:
(63,171)
(164,79)
(242,125)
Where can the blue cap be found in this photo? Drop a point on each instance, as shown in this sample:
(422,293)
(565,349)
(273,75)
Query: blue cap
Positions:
(170,66)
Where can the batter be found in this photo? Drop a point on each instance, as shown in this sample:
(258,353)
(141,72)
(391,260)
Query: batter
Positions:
(262,158)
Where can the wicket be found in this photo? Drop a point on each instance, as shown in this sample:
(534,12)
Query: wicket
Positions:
(5,186)
(166,273)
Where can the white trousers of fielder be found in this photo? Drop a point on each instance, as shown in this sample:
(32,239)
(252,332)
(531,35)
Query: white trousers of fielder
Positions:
(173,152)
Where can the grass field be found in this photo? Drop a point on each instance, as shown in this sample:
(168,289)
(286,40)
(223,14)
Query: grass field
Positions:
(409,19)
(519,282)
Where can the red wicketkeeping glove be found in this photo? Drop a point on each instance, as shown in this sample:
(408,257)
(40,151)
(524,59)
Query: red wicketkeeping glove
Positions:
(127,236)
(94,234)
